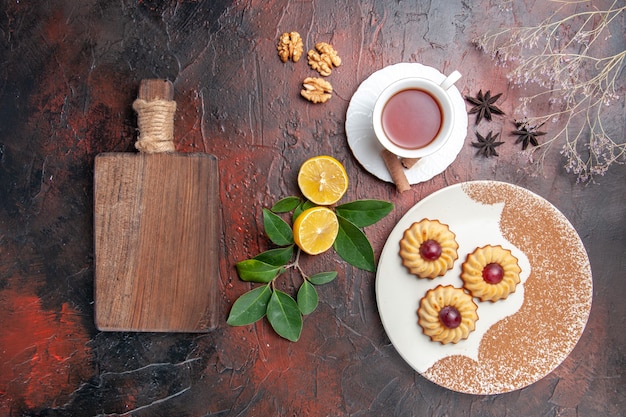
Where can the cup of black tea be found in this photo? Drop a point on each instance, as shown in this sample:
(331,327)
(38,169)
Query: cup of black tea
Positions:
(413,117)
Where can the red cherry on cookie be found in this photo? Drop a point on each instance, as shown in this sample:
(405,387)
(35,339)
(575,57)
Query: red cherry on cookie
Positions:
(493,273)
(430,250)
(450,317)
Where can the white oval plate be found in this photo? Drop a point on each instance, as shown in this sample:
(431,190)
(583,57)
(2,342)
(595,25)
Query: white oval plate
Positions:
(517,341)
(360,132)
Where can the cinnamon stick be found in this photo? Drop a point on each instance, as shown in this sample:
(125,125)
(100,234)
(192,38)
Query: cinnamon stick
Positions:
(409,162)
(394,166)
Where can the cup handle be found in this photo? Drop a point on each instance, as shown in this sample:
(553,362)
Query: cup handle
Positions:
(450,80)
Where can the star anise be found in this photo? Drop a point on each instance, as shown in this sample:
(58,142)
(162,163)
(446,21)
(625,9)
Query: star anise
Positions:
(487,145)
(527,134)
(484,105)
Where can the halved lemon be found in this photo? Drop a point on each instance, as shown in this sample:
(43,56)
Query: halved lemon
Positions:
(315,230)
(323,180)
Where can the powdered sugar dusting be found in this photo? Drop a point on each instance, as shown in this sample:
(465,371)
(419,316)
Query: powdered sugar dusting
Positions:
(523,348)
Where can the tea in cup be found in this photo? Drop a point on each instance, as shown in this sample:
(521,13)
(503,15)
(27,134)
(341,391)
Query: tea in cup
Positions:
(413,117)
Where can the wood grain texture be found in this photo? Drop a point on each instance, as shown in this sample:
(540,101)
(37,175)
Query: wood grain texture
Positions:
(156,236)
(155,89)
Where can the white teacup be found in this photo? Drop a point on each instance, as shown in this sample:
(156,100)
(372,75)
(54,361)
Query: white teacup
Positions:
(413,117)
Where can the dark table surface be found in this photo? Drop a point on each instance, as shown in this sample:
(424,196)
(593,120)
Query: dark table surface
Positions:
(69,73)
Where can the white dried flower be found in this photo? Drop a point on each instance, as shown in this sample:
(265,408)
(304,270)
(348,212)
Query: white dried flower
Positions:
(558,55)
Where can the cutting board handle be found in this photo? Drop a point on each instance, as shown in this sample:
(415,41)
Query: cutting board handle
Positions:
(155,107)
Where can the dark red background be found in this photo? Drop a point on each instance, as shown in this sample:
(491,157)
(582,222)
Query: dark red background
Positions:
(68,75)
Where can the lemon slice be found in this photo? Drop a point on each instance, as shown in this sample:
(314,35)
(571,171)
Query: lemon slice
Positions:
(315,230)
(323,180)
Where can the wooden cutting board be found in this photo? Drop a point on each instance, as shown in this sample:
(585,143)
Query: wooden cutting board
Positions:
(157,232)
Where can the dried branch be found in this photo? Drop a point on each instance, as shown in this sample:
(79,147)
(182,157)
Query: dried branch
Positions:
(562,55)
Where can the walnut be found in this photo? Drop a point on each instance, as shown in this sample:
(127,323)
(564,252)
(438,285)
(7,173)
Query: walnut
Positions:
(324,59)
(290,46)
(316,90)
(328,52)
(318,63)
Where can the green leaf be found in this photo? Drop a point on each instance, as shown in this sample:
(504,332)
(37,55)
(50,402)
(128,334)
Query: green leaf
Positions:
(250,307)
(323,277)
(276,257)
(284,316)
(307,298)
(353,246)
(286,204)
(257,271)
(305,205)
(277,229)
(364,212)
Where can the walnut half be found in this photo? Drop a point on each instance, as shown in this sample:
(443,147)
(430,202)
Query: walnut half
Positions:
(328,52)
(324,59)
(290,47)
(316,90)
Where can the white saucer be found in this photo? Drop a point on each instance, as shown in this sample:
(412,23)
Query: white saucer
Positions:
(360,132)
